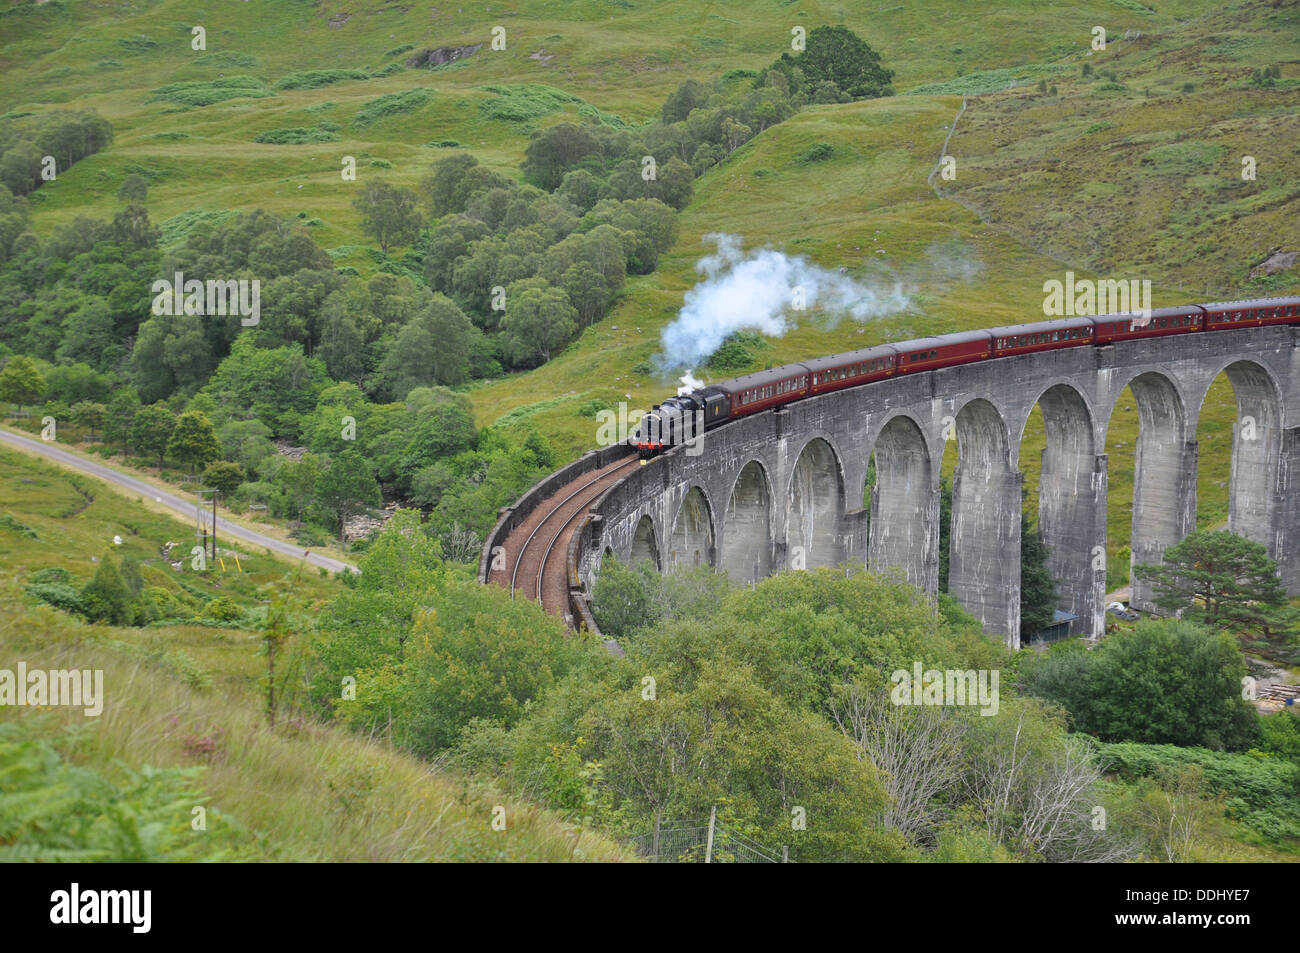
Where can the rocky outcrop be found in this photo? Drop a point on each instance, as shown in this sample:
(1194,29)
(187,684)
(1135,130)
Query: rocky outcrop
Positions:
(441,56)
(1276,260)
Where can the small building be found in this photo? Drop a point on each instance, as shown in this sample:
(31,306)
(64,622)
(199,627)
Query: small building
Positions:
(1062,622)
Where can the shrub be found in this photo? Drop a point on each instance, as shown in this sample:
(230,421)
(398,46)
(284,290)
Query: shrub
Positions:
(818,153)
(731,355)
(221,609)
(52,574)
(525,102)
(296,135)
(392,104)
(207,92)
(57,594)
(316,78)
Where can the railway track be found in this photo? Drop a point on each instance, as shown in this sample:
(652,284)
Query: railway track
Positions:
(536,549)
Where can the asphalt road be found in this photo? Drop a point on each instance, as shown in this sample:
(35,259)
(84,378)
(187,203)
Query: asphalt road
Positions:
(172,501)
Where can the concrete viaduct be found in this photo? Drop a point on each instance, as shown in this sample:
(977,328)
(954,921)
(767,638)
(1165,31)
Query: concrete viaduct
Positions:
(785,488)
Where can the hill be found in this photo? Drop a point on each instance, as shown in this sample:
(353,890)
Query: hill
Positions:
(1127,161)
(183,724)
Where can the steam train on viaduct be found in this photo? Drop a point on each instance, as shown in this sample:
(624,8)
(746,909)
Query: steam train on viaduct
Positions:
(677,420)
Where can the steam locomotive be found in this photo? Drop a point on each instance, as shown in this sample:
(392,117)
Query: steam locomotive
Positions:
(681,420)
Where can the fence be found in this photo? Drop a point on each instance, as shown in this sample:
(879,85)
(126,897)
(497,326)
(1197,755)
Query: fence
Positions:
(704,842)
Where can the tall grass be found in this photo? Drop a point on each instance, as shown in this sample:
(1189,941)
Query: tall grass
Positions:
(301,792)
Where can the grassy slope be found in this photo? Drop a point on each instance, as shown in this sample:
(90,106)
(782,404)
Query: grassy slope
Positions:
(1021,166)
(286,786)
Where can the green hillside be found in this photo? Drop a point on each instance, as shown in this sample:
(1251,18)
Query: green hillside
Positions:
(183,719)
(379,374)
(1133,168)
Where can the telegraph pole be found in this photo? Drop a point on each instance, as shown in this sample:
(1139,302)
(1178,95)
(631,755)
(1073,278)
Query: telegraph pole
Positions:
(200,532)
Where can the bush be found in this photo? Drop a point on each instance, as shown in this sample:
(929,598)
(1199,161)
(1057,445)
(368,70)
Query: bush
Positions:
(1260,791)
(316,78)
(57,594)
(310,536)
(392,104)
(1166,682)
(221,609)
(296,135)
(818,153)
(731,355)
(207,92)
(52,574)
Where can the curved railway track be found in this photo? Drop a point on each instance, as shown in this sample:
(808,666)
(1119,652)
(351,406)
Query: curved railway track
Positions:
(540,543)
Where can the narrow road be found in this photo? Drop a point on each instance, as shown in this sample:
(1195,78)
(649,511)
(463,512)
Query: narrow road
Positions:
(170,500)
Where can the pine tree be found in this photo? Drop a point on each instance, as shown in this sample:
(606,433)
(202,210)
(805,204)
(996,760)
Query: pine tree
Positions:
(106,598)
(1223,580)
(1038,595)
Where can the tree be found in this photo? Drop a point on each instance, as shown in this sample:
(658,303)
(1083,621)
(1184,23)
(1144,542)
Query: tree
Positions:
(477,655)
(122,410)
(342,345)
(347,487)
(626,598)
(580,189)
(537,323)
(247,443)
(441,185)
(1038,594)
(14,213)
(1223,580)
(444,427)
(171,353)
(89,415)
(89,335)
(432,349)
(21,381)
(278,384)
(20,167)
(152,429)
(1034,787)
(106,597)
(131,226)
(223,476)
(1166,682)
(298,480)
(193,441)
(689,95)
(389,214)
(448,243)
(917,751)
(554,151)
(134,188)
(837,54)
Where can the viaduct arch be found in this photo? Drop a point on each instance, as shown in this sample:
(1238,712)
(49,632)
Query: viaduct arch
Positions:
(782,489)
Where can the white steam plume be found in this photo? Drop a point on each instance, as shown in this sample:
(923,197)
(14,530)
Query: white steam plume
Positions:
(689,382)
(759,291)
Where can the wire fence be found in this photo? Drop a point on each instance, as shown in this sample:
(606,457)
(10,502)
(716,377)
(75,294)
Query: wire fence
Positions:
(691,843)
